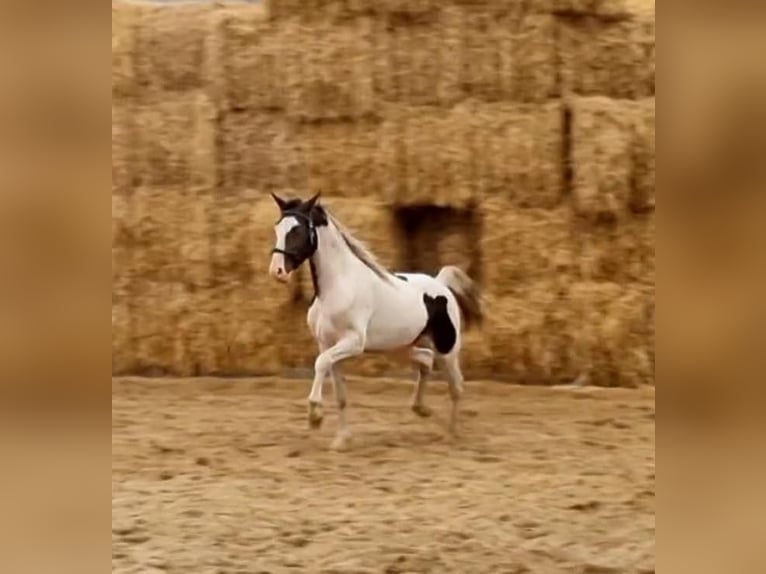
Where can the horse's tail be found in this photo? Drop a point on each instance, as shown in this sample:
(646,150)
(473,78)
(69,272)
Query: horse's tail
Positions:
(466,291)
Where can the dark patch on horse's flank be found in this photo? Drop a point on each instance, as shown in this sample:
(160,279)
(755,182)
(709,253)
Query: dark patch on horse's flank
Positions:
(402,277)
(439,325)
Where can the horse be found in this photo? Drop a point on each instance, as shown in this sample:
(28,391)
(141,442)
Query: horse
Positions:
(361,307)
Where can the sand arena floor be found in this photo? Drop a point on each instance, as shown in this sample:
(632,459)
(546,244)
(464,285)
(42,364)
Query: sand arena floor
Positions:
(222,476)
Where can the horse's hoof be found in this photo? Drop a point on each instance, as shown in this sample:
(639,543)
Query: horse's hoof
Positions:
(315,415)
(339,443)
(422,410)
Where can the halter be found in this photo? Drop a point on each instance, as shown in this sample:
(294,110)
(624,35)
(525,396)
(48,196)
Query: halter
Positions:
(312,233)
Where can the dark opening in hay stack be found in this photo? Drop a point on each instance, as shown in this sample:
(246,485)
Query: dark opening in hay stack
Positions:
(430,237)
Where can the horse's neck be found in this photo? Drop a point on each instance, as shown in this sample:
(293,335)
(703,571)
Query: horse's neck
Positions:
(333,260)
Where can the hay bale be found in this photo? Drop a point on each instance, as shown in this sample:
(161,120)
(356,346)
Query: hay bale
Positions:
(238,316)
(528,336)
(169,235)
(124,16)
(615,333)
(482,42)
(122,350)
(517,151)
(235,237)
(234,333)
(156,312)
(621,253)
(122,353)
(535,65)
(250,69)
(519,247)
(504,53)
(123,148)
(329,71)
(601,157)
(172,47)
(175,141)
(552,333)
(425,157)
(260,151)
(416,63)
(474,151)
(643,192)
(121,246)
(342,158)
(606,58)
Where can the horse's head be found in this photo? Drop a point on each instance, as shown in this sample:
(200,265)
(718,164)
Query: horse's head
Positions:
(296,235)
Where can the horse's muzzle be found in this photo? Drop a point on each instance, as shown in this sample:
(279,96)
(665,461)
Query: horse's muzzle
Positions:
(277,268)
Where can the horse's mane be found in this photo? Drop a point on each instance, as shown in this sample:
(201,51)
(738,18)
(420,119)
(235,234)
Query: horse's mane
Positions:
(360,250)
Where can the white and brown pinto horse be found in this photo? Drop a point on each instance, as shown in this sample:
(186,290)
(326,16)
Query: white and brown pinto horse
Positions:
(360,307)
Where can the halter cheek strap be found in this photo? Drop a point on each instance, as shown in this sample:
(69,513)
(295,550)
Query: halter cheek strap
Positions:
(312,232)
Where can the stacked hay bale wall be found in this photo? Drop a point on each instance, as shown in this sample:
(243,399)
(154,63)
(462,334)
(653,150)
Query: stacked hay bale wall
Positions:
(515,139)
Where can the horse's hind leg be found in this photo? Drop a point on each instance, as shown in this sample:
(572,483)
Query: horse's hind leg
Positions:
(423,358)
(455,379)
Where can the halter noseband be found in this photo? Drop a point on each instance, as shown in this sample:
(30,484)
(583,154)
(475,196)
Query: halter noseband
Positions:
(312,233)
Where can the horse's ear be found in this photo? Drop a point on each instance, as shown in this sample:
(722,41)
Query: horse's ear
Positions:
(280,202)
(309,205)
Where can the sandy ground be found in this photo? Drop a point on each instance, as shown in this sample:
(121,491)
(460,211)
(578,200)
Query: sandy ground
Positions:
(223,476)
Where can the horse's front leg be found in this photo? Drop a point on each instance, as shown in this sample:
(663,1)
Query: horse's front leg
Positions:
(339,390)
(350,345)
